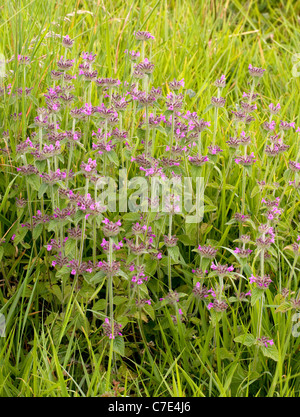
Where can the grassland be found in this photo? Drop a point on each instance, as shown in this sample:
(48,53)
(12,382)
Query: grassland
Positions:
(54,344)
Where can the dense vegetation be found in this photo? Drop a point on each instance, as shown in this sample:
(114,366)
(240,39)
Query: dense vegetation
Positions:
(100,300)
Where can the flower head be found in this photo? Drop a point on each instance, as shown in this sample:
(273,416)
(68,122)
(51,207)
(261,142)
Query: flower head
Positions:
(255,71)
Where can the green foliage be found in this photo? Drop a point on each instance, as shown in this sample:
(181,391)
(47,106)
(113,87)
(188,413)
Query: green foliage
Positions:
(55,345)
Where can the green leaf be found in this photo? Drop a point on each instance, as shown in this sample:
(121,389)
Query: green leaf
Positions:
(119,299)
(248,169)
(150,311)
(208,209)
(41,165)
(196,320)
(174,253)
(63,272)
(54,289)
(52,225)
(246,339)
(186,240)
(43,188)
(132,217)
(100,305)
(20,235)
(34,180)
(98,277)
(123,320)
(254,191)
(80,145)
(112,156)
(214,158)
(282,308)
(143,290)
(210,106)
(79,215)
(195,171)
(7,191)
(226,354)
(256,294)
(70,246)
(251,222)
(168,113)
(232,221)
(160,129)
(119,345)
(150,266)
(271,352)
(37,231)
(122,274)
(191,230)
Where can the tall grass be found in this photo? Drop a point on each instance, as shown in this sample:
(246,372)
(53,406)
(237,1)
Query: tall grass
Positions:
(54,344)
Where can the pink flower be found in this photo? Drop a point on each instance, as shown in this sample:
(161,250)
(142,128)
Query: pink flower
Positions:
(252,279)
(274,109)
(212,292)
